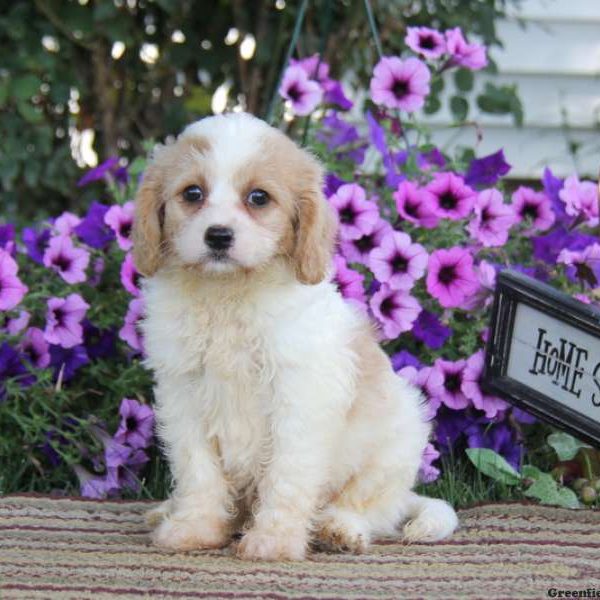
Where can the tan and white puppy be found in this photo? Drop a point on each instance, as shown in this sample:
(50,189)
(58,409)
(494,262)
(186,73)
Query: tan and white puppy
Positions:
(277,409)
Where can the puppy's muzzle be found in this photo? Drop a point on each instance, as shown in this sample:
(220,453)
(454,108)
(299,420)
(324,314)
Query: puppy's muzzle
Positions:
(219,238)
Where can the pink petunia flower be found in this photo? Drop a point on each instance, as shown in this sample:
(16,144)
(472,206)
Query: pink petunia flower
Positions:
(12,289)
(471,387)
(359,249)
(493,219)
(416,205)
(428,42)
(430,380)
(483,296)
(68,261)
(63,320)
(304,94)
(349,282)
(136,425)
(582,265)
(130,275)
(581,198)
(398,83)
(453,198)
(395,310)
(398,262)
(470,56)
(356,214)
(451,394)
(35,348)
(66,223)
(451,278)
(120,220)
(15,325)
(533,206)
(427,472)
(130,331)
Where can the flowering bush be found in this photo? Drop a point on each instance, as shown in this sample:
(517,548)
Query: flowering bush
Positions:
(422,237)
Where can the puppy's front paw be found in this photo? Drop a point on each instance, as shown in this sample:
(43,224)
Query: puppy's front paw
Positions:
(343,532)
(272,545)
(191,534)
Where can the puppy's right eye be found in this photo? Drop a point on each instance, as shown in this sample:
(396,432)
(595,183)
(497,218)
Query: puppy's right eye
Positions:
(193,194)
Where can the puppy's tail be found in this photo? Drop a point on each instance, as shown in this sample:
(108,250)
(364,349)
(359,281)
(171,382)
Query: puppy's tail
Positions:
(430,519)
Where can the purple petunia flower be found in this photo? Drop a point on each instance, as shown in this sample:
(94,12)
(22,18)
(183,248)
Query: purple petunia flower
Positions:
(427,472)
(67,361)
(430,43)
(398,83)
(451,394)
(91,486)
(7,238)
(338,135)
(35,242)
(471,387)
(130,276)
(483,296)
(12,289)
(430,381)
(303,94)
(34,348)
(453,199)
(358,250)
(130,332)
(581,199)
(451,277)
(470,56)
(547,247)
(136,425)
(93,230)
(430,330)
(109,167)
(100,343)
(11,366)
(403,359)
(395,310)
(398,262)
(487,170)
(67,260)
(529,205)
(349,282)
(66,223)
(356,214)
(552,187)
(493,219)
(120,220)
(332,184)
(63,320)
(582,265)
(500,438)
(416,205)
(125,476)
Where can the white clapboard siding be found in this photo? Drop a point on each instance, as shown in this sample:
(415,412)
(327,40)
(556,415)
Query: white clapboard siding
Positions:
(552,52)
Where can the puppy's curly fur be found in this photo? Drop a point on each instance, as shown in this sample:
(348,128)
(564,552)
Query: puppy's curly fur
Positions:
(278,411)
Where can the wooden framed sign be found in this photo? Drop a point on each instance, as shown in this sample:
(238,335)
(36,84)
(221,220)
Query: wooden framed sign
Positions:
(543,354)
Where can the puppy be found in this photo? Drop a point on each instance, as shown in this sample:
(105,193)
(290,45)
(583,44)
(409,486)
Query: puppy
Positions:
(278,411)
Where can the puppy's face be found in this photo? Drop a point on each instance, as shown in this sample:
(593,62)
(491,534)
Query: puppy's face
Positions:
(233,193)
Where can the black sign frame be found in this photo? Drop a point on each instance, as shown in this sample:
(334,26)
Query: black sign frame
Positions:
(512,289)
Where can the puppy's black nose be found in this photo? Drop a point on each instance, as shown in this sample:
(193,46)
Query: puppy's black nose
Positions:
(218,238)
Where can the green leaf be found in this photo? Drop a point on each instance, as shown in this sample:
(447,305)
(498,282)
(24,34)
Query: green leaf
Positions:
(459,107)
(547,491)
(29,112)
(501,101)
(24,87)
(463,79)
(565,445)
(493,465)
(432,105)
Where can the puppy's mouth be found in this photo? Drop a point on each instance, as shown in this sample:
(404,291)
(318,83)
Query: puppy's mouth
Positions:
(221,256)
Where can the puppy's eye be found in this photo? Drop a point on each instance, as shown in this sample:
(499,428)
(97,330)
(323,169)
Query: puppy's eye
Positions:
(193,194)
(258,198)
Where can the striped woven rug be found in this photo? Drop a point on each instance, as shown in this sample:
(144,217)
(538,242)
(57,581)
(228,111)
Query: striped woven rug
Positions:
(78,549)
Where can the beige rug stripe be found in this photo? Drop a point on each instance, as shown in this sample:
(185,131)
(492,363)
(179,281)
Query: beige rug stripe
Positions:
(73,548)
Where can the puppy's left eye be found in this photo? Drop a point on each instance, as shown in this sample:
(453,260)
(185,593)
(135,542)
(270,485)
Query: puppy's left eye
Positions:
(258,198)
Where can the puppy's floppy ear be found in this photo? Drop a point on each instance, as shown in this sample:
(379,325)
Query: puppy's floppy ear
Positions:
(315,226)
(148,222)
